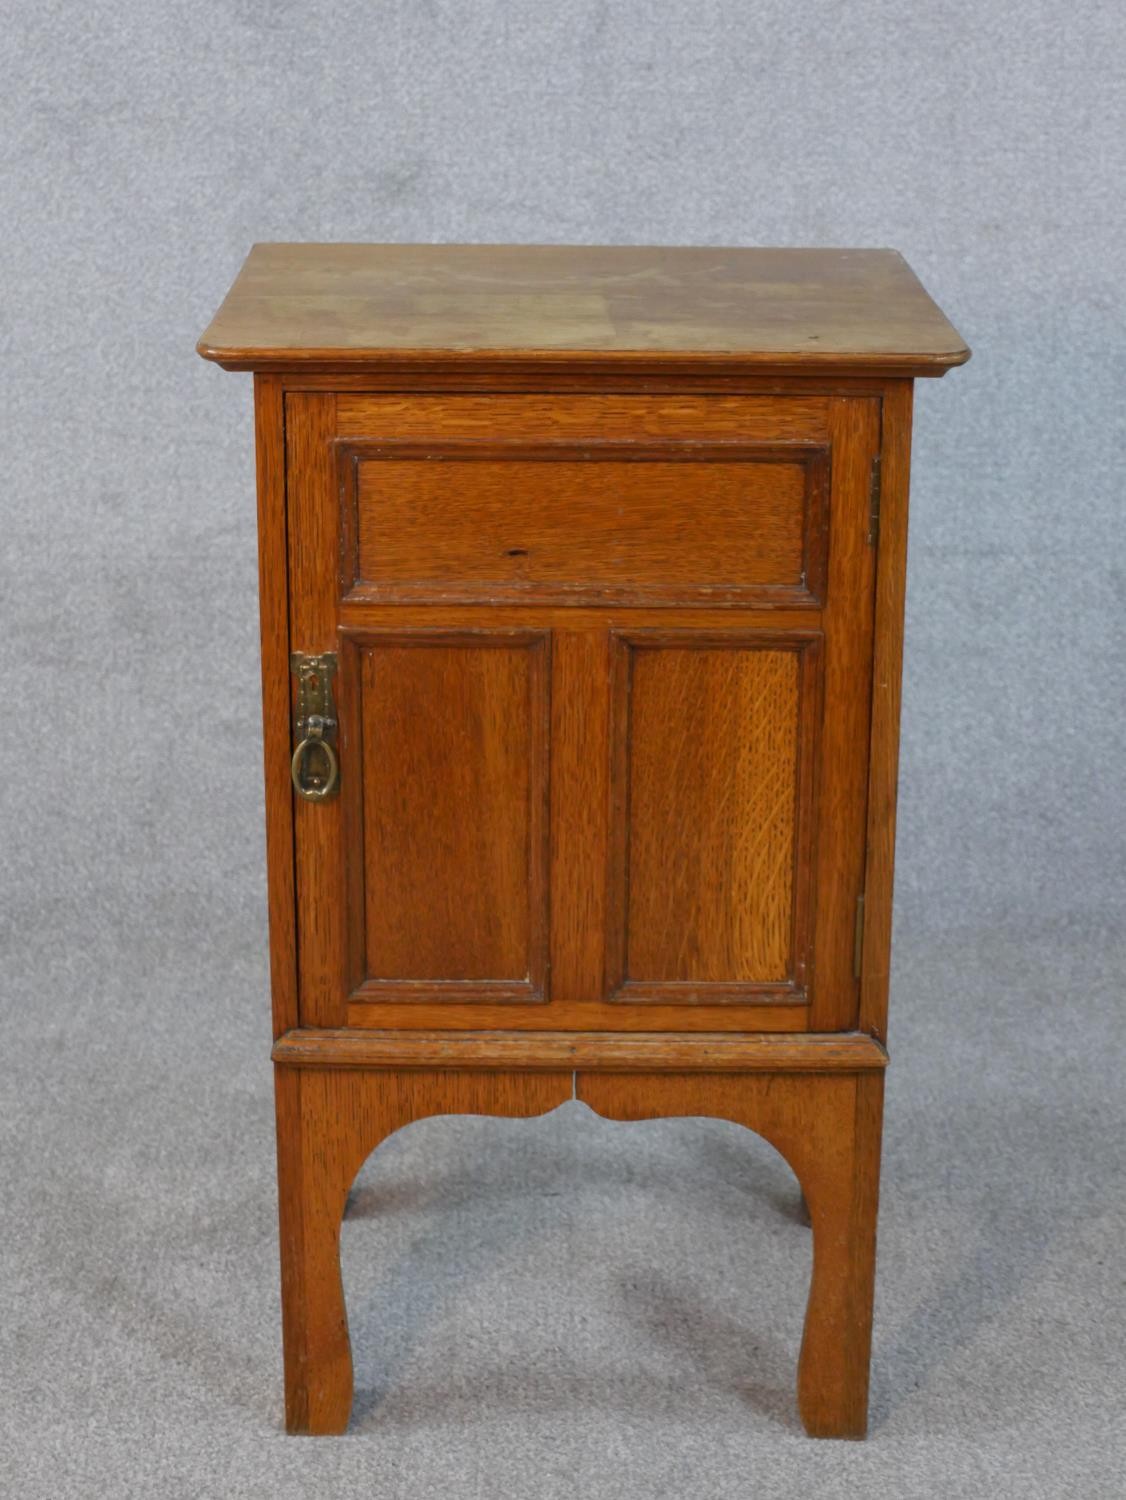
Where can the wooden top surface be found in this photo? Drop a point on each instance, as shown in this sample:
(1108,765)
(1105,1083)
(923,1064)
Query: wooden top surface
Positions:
(624,307)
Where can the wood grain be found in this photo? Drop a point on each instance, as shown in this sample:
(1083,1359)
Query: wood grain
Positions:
(817,310)
(883,775)
(843,762)
(696,763)
(273,605)
(598,521)
(532,417)
(745,1013)
(706,816)
(366,614)
(836,1051)
(324,958)
(578,377)
(580,782)
(455,787)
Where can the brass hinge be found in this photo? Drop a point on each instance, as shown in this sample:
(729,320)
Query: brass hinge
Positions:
(858,939)
(874,503)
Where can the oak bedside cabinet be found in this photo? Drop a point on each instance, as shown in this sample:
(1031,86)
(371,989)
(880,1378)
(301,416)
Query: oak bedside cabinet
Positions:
(582,580)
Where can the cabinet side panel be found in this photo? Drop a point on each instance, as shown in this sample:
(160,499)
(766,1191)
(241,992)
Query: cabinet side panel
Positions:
(843,790)
(891,579)
(273,598)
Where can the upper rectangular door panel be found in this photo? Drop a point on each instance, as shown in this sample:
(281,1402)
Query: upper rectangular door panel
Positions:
(584,499)
(674,522)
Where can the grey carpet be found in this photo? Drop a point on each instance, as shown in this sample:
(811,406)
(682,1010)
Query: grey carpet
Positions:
(563,1307)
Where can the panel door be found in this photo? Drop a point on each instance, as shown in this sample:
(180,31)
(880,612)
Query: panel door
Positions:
(603,699)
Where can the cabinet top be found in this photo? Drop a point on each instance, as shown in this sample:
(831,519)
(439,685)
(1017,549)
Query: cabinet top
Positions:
(303,307)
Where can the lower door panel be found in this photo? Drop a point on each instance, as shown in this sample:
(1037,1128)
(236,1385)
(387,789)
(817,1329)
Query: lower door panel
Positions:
(451,777)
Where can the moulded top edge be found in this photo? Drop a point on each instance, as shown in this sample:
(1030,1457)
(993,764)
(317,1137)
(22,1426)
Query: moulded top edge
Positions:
(617,308)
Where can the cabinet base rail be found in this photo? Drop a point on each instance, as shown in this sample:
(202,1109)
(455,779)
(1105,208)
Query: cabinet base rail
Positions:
(598,1051)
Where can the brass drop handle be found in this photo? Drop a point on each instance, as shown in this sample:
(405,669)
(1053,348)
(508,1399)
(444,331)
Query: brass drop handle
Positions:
(314,785)
(315,769)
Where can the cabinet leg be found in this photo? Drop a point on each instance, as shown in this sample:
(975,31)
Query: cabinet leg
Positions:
(318,1355)
(843,1192)
(827,1126)
(329,1121)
